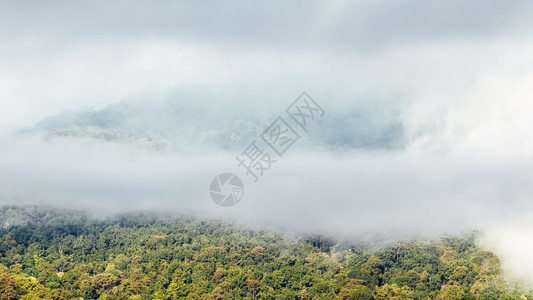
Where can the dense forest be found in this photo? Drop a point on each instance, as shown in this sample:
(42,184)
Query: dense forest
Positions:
(51,254)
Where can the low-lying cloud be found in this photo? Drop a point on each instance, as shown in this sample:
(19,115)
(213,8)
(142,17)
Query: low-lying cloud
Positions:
(350,193)
(427,127)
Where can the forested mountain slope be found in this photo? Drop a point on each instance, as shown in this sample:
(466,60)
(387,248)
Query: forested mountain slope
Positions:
(50,254)
(173,124)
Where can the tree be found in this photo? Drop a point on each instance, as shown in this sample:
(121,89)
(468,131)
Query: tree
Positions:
(8,286)
(104,281)
(451,292)
(253,286)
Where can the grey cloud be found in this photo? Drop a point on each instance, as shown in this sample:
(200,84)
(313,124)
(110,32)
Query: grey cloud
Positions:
(304,191)
(361,25)
(379,24)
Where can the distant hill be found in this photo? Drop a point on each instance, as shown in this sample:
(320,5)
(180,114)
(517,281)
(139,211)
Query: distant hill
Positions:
(167,125)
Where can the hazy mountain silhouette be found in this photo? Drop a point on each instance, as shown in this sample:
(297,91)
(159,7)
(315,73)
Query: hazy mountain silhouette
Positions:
(172,124)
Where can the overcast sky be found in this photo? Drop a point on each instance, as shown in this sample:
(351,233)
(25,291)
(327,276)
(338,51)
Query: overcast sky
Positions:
(57,55)
(459,74)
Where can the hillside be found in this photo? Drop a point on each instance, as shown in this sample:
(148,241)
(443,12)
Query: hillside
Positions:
(51,254)
(175,123)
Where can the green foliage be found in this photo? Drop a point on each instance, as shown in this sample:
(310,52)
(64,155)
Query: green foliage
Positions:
(46,254)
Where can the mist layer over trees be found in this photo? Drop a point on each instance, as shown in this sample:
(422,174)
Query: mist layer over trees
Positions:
(48,254)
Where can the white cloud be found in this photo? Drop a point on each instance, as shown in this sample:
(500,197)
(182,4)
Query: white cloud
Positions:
(511,241)
(458,74)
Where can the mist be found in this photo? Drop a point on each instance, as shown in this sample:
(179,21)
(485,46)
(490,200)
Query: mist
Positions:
(427,127)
